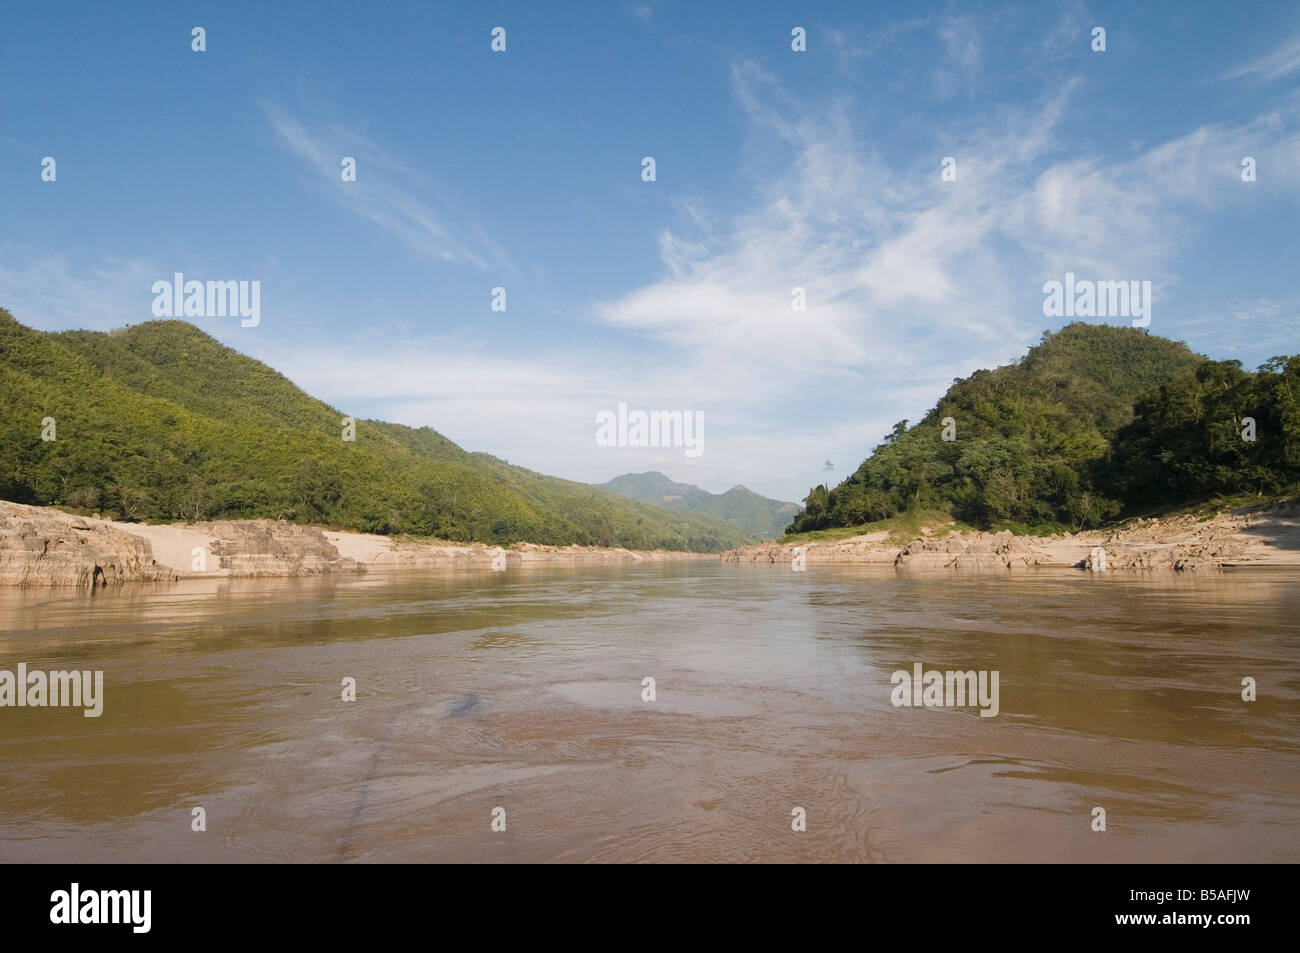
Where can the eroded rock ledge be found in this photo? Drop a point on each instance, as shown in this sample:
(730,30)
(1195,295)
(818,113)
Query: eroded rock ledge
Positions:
(251,548)
(44,547)
(1265,535)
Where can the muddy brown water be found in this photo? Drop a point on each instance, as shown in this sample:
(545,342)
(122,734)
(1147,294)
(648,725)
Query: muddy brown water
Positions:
(523,690)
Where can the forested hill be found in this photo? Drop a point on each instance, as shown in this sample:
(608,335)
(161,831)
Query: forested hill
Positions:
(1095,422)
(160,422)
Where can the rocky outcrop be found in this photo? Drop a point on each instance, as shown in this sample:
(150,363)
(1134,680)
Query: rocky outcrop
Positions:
(858,550)
(1267,534)
(1002,550)
(45,547)
(42,546)
(252,548)
(412,555)
(437,554)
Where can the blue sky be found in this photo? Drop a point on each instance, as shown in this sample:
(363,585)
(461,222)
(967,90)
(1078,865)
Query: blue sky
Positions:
(775,169)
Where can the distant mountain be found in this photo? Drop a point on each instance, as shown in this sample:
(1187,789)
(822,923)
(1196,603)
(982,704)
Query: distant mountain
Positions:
(160,422)
(756,515)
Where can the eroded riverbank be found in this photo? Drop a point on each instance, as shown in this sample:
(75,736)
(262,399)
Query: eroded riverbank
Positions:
(43,546)
(1263,536)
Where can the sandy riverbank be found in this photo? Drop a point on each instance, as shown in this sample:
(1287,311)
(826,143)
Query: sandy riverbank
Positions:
(1268,535)
(43,546)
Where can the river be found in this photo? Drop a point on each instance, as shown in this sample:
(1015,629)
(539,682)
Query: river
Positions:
(524,691)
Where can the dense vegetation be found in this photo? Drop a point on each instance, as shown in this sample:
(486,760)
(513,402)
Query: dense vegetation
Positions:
(161,422)
(743,508)
(1187,443)
(1093,423)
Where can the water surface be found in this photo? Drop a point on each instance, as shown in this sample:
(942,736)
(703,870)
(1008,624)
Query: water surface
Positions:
(523,690)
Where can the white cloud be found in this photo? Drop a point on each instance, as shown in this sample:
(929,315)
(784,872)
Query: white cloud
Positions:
(53,292)
(1071,35)
(539,409)
(959,68)
(1272,66)
(879,251)
(376,197)
(910,280)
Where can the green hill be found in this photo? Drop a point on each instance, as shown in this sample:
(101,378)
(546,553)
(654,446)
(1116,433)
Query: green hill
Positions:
(1093,422)
(161,422)
(746,510)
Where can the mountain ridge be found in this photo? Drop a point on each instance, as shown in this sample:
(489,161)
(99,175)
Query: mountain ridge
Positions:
(159,421)
(739,506)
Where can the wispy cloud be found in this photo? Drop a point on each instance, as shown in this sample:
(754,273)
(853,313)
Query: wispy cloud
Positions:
(859,43)
(54,292)
(1069,36)
(1271,326)
(880,252)
(538,409)
(376,196)
(1272,66)
(961,62)
(910,280)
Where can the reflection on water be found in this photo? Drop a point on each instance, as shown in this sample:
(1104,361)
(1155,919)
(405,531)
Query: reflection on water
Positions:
(772,690)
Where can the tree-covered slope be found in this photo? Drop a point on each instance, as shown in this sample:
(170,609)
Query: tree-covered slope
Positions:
(159,421)
(1094,421)
(1191,438)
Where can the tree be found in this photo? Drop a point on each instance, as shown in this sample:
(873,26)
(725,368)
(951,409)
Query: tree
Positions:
(317,491)
(900,428)
(194,502)
(131,501)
